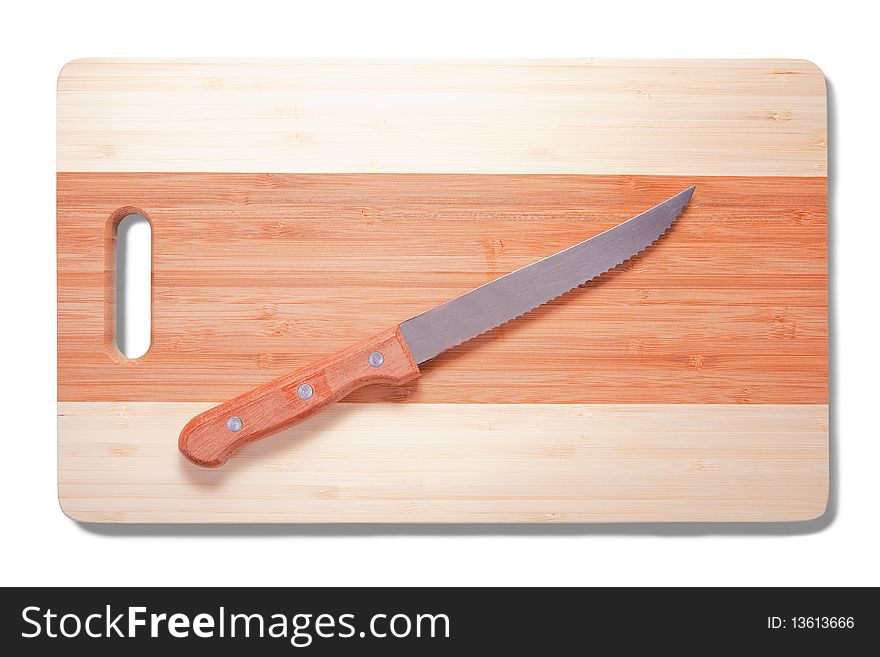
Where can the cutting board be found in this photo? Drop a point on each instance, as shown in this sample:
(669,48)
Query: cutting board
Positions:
(299,206)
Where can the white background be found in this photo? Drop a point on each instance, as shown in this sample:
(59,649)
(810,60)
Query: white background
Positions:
(41,546)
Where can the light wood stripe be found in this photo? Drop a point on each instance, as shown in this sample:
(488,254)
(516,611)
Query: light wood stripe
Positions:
(458,463)
(665,117)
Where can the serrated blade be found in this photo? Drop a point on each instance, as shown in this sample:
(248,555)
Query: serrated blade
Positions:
(510,296)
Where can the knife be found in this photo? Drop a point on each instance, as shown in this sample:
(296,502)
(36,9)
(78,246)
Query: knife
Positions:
(394,355)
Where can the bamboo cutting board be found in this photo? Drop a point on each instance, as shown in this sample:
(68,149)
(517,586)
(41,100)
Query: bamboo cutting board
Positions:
(299,206)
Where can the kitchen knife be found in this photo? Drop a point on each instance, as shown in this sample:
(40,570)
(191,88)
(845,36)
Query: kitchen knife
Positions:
(394,355)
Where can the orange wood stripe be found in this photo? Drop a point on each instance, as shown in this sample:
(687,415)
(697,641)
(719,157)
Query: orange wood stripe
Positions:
(258,274)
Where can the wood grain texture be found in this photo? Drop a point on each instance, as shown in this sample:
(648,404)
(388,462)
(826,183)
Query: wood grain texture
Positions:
(258,275)
(455,463)
(661,117)
(298,207)
(206,440)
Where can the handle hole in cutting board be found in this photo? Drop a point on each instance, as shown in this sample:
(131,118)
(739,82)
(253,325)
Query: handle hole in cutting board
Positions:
(134,285)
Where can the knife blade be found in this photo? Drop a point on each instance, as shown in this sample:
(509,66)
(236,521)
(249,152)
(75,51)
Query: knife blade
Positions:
(394,355)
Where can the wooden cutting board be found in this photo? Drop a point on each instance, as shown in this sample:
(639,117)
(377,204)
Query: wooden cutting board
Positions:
(299,206)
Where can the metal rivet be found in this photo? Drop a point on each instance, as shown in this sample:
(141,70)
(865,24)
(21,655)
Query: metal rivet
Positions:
(305,391)
(234,423)
(376,359)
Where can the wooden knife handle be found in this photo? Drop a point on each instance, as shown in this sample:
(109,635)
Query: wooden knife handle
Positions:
(211,437)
